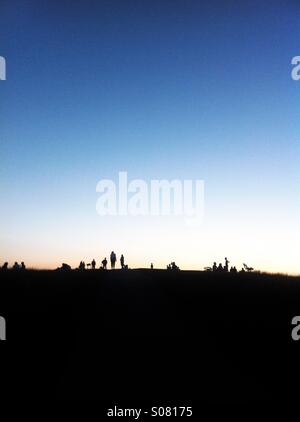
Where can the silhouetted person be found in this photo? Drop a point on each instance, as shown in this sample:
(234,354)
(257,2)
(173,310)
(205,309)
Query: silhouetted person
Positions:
(234,270)
(173,266)
(151,266)
(214,268)
(104,263)
(93,264)
(113,259)
(16,266)
(82,266)
(5,266)
(64,267)
(226,265)
(23,267)
(220,267)
(122,261)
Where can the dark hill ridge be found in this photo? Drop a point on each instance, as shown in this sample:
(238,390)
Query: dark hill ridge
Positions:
(150,334)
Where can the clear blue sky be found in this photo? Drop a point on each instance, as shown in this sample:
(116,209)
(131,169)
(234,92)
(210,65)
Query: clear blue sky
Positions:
(162,89)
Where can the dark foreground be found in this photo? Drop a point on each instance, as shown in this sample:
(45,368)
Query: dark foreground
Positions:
(183,337)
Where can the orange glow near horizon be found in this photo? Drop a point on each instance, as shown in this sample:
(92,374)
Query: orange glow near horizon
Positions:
(160,241)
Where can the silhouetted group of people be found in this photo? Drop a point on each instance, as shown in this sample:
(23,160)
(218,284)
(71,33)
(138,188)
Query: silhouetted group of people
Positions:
(113,260)
(16,266)
(104,262)
(173,266)
(225,268)
(221,268)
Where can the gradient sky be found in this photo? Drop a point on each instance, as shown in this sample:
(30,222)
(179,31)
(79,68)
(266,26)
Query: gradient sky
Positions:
(160,89)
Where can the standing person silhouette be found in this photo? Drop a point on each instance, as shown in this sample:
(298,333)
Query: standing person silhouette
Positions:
(122,261)
(113,259)
(226,265)
(93,264)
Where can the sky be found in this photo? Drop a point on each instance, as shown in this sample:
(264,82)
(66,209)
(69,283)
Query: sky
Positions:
(197,90)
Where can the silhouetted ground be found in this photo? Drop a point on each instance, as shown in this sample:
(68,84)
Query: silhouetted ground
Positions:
(149,334)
